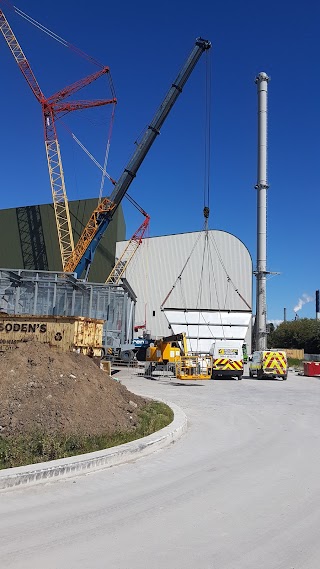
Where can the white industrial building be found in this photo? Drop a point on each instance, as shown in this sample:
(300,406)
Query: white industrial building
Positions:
(199,283)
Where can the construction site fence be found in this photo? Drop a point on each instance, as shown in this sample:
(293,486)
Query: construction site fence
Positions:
(162,369)
(292,353)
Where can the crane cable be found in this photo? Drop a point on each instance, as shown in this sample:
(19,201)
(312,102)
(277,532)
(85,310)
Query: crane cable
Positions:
(210,271)
(102,168)
(106,158)
(206,209)
(77,50)
(229,280)
(198,303)
(207,172)
(104,172)
(207,146)
(180,274)
(52,34)
(206,182)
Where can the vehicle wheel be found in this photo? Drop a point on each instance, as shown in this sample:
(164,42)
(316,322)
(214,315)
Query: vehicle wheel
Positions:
(259,374)
(250,373)
(126,356)
(284,377)
(239,377)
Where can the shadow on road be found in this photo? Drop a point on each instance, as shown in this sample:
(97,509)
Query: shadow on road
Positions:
(167,380)
(264,378)
(227,379)
(181,384)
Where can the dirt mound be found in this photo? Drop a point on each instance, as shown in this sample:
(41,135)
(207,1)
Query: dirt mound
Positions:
(47,391)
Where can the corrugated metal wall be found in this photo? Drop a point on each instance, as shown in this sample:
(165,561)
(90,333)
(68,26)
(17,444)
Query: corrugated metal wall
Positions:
(217,276)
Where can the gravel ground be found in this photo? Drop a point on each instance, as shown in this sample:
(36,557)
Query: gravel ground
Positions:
(241,490)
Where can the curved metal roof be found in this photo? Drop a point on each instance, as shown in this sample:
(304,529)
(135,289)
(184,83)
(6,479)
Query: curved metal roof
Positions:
(204,271)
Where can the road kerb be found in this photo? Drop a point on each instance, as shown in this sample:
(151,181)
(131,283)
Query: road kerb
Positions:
(84,463)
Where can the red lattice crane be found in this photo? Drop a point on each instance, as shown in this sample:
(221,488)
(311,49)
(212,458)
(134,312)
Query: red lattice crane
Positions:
(132,246)
(53,108)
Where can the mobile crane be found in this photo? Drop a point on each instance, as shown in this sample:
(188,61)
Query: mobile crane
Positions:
(82,256)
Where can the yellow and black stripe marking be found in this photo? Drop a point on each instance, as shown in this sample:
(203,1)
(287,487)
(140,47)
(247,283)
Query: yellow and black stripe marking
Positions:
(224,363)
(275,361)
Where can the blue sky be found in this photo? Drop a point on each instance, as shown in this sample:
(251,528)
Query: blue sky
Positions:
(145,45)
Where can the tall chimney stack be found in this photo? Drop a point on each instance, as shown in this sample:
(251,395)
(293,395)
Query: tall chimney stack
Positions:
(262,185)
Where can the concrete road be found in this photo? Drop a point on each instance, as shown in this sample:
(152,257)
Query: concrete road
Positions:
(240,490)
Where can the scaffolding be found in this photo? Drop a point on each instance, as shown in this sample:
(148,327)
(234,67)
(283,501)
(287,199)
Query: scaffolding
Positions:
(51,293)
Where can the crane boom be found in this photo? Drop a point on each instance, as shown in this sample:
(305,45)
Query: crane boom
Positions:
(19,56)
(51,108)
(123,261)
(83,253)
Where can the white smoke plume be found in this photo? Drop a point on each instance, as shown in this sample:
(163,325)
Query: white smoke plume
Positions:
(303,300)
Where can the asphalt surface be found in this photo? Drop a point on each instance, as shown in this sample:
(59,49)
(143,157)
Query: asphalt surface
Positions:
(240,490)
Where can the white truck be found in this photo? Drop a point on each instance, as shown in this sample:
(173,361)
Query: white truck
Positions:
(227,358)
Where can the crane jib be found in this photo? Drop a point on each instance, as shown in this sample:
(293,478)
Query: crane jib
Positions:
(149,136)
(87,258)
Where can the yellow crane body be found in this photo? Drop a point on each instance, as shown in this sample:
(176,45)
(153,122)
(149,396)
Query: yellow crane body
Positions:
(163,353)
(168,351)
(89,232)
(60,200)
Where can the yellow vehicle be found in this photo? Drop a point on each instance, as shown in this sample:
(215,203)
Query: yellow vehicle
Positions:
(167,350)
(171,353)
(269,363)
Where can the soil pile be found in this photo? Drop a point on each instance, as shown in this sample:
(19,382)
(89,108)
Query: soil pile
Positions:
(47,391)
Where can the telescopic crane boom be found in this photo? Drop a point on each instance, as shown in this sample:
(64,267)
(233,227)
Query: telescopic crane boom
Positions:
(83,253)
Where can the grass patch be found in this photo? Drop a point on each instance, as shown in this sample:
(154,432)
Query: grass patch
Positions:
(295,362)
(41,447)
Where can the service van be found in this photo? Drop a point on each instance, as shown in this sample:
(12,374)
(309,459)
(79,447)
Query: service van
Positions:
(269,363)
(227,356)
